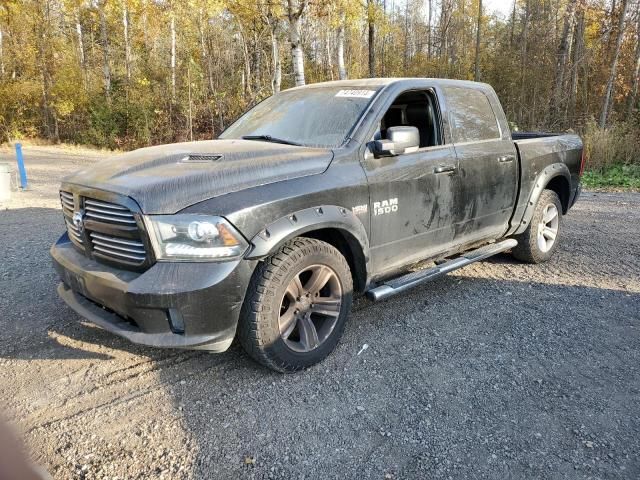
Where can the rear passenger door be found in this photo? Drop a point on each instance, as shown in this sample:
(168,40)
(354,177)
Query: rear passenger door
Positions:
(487,182)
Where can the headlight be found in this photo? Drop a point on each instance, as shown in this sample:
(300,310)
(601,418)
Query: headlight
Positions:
(194,238)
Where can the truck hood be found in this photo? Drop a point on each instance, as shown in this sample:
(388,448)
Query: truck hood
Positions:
(167,178)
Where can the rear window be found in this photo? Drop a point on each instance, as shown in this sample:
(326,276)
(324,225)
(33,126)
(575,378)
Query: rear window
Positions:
(472,116)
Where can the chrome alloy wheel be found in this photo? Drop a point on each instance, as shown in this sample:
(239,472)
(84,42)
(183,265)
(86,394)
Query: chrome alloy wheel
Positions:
(310,308)
(548,228)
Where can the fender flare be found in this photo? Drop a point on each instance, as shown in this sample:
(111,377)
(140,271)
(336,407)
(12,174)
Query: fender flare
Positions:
(542,180)
(270,238)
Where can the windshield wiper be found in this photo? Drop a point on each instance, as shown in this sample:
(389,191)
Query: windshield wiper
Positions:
(269,138)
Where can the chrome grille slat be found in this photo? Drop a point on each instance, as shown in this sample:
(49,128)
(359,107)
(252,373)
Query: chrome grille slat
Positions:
(138,258)
(67,201)
(117,247)
(74,234)
(132,243)
(90,213)
(113,206)
(108,212)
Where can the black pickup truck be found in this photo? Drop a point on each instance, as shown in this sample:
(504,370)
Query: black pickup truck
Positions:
(316,194)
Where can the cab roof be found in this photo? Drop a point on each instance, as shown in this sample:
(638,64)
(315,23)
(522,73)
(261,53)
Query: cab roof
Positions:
(383,82)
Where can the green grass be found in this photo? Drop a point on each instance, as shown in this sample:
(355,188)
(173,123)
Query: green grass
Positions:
(617,176)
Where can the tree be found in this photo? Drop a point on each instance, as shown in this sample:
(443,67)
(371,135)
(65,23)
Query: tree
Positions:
(614,66)
(104,37)
(295,10)
(633,94)
(129,73)
(476,75)
(561,63)
(372,37)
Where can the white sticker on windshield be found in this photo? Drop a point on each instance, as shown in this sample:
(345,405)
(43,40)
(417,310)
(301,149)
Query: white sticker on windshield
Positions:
(356,93)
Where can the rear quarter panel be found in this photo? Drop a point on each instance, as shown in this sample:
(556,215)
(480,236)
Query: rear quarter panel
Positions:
(542,159)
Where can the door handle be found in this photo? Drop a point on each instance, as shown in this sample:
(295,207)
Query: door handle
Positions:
(506,158)
(444,169)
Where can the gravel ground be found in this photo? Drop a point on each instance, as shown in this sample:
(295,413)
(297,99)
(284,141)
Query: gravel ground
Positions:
(501,370)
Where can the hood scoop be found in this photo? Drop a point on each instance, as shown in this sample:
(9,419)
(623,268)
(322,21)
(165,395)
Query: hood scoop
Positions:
(200,158)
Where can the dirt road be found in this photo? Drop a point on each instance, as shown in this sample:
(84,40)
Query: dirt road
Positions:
(499,370)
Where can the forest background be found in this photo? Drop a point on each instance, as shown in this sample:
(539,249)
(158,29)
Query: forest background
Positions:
(122,74)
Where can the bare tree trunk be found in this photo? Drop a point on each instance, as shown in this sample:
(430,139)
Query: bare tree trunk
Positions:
(561,61)
(383,46)
(609,27)
(276,79)
(405,56)
(1,56)
(513,24)
(145,24)
(297,57)
(127,44)
(43,43)
(173,56)
(81,53)
(476,75)
(614,66)
(327,39)
(372,38)
(578,54)
(342,71)
(256,58)
(190,118)
(429,21)
(523,59)
(246,74)
(106,69)
(633,94)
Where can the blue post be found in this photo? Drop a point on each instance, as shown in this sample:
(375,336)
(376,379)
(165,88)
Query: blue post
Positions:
(21,169)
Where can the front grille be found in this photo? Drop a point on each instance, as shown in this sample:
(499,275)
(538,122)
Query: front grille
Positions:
(109,231)
(116,247)
(67,202)
(68,208)
(108,212)
(74,233)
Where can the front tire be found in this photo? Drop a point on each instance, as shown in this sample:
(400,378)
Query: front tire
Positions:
(296,307)
(540,240)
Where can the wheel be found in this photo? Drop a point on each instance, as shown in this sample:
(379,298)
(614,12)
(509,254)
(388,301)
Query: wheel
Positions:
(297,304)
(538,242)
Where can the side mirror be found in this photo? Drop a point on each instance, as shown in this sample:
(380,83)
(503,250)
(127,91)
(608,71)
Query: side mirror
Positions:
(400,140)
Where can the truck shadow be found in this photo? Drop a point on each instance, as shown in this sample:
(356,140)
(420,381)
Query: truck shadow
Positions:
(451,362)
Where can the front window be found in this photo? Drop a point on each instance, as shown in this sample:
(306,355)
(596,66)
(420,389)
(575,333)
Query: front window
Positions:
(315,117)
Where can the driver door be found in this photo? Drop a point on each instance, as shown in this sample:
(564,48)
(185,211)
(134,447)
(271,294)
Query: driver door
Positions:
(411,194)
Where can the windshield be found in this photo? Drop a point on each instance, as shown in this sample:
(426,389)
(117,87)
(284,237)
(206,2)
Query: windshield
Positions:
(315,117)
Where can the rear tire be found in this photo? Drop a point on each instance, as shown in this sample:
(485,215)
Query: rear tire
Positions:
(296,306)
(540,240)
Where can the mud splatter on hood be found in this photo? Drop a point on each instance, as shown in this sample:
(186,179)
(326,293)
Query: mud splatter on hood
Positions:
(168,178)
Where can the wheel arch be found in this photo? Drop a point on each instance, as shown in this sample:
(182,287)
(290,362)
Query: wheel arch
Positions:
(562,186)
(338,226)
(554,177)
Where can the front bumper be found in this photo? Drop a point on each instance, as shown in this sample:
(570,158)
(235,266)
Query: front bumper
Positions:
(172,305)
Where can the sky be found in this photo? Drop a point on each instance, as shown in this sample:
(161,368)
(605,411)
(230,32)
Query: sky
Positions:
(502,7)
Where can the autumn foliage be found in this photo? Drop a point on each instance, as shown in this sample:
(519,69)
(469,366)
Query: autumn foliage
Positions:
(129,73)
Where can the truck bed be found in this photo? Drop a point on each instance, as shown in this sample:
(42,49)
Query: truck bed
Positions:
(536,152)
(528,135)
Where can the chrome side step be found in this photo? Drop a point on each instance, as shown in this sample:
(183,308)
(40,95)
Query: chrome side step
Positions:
(405,282)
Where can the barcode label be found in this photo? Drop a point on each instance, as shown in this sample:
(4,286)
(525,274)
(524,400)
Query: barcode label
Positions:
(356,93)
